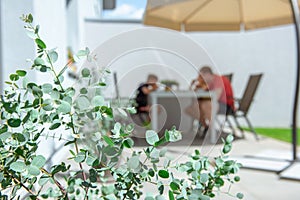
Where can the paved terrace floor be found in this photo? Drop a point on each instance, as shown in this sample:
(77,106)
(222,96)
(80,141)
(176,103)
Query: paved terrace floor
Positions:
(255,184)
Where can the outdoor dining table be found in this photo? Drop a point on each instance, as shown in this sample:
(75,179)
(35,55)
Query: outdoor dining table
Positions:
(172,104)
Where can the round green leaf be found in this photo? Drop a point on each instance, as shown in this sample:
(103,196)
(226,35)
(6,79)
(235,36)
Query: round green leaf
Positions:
(129,128)
(197,165)
(227,148)
(91,161)
(43,180)
(117,128)
(151,172)
(27,116)
(37,28)
(5,136)
(47,105)
(61,78)
(37,91)
(36,102)
(68,99)
(85,72)
(53,56)
(33,170)
(239,195)
(97,101)
(21,72)
(64,107)
(160,187)
(30,85)
(83,91)
(44,68)
(174,186)
(54,125)
(171,195)
(47,88)
(154,153)
(203,178)
(109,189)
(111,151)
(40,43)
(29,18)
(151,137)
(19,137)
(14,77)
(108,140)
(133,162)
(128,143)
(3,128)
(14,122)
(17,166)
(93,175)
(39,61)
(163,173)
(55,95)
(82,102)
(39,161)
(229,139)
(237,178)
(219,182)
(80,157)
(70,91)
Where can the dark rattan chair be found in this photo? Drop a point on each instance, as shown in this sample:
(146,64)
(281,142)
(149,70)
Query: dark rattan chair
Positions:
(245,102)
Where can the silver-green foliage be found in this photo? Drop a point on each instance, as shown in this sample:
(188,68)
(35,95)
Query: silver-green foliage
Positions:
(31,112)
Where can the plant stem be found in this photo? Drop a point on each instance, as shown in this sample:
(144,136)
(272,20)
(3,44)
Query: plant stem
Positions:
(24,186)
(48,57)
(60,187)
(80,165)
(54,72)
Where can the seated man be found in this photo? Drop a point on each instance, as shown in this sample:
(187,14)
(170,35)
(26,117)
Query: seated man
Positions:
(142,96)
(223,90)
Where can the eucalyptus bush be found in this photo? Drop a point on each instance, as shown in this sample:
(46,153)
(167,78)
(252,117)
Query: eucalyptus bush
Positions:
(32,112)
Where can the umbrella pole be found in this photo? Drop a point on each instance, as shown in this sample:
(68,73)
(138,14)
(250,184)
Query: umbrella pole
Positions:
(291,165)
(296,16)
(291,171)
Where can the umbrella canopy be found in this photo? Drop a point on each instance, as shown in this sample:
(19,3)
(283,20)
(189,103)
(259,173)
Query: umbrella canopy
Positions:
(217,15)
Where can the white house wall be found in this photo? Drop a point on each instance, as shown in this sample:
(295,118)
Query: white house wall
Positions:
(16,45)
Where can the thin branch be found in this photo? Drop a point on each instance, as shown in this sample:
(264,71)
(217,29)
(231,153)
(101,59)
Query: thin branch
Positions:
(24,186)
(60,187)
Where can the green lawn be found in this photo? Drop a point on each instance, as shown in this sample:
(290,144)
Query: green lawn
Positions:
(283,134)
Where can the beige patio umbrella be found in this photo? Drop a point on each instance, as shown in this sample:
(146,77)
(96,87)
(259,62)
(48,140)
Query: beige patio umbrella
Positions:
(217,15)
(228,15)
